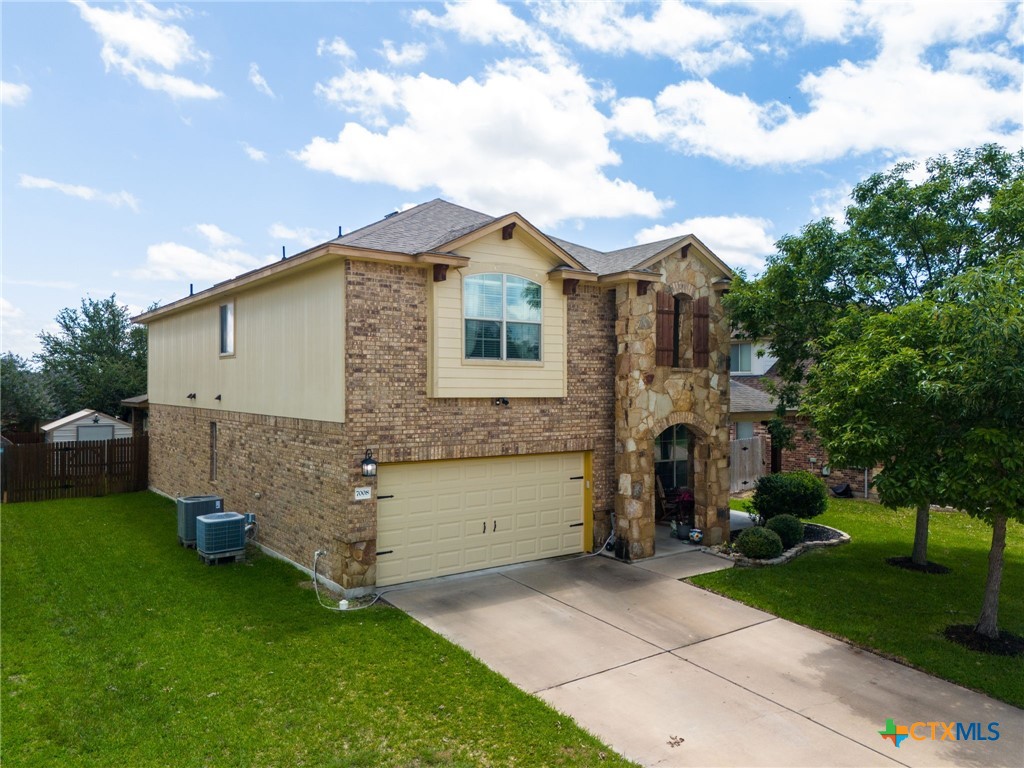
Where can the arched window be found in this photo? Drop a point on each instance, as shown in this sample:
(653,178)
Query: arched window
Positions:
(502,316)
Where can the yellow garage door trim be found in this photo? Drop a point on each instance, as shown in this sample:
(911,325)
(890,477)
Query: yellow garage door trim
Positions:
(436,518)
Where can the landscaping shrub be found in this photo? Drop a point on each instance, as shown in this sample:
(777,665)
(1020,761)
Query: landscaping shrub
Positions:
(759,544)
(789,528)
(789,493)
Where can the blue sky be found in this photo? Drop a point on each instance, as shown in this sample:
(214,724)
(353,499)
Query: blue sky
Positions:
(149,146)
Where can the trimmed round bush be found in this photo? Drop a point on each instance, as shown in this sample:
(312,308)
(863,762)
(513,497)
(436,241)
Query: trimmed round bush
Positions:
(789,528)
(759,543)
(800,494)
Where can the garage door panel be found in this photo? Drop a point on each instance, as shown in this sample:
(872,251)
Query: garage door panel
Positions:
(452,516)
(501,496)
(446,532)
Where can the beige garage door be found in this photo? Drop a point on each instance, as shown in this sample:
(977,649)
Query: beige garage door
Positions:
(441,517)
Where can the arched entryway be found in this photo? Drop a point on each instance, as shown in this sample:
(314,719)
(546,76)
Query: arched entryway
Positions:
(688,453)
(674,475)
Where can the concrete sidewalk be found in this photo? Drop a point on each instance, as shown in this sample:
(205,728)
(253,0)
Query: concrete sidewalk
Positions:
(671,675)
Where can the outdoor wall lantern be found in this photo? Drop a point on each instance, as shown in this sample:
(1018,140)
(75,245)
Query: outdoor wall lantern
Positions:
(369,464)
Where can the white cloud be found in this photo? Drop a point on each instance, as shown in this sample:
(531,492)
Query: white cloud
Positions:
(259,82)
(523,137)
(14,94)
(698,39)
(488,22)
(927,91)
(254,154)
(410,53)
(306,237)
(8,311)
(336,47)
(176,262)
(139,38)
(742,242)
(216,236)
(366,93)
(60,285)
(831,203)
(116,199)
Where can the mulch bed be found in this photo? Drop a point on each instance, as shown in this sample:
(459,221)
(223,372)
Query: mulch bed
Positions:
(814,532)
(907,564)
(1007,644)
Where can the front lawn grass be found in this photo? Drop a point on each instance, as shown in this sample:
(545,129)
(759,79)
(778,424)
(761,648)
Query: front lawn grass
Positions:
(121,648)
(850,592)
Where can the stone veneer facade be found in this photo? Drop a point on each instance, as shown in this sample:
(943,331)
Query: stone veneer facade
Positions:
(298,476)
(651,398)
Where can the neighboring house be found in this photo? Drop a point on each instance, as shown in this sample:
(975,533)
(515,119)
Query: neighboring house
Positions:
(750,447)
(518,391)
(86,425)
(752,407)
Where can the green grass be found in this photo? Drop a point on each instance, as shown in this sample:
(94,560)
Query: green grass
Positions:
(121,648)
(850,592)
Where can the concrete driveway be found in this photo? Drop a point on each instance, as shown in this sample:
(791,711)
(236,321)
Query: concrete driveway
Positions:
(670,675)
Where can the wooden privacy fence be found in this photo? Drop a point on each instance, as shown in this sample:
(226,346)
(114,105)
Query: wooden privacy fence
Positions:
(66,470)
(747,463)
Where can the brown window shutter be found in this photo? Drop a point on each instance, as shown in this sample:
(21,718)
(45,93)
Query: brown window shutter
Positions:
(664,329)
(701,319)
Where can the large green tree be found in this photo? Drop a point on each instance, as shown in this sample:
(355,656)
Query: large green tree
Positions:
(96,358)
(903,240)
(934,389)
(24,398)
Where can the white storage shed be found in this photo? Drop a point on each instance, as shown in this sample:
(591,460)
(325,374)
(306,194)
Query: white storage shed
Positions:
(86,425)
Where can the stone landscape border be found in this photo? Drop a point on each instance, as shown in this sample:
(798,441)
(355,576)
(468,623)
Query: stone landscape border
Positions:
(742,561)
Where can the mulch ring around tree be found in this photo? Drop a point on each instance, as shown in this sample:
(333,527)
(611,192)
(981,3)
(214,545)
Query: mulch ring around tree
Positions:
(908,564)
(1007,644)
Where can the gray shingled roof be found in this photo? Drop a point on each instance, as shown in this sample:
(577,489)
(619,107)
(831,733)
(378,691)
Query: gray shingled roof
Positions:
(607,262)
(744,399)
(430,225)
(418,229)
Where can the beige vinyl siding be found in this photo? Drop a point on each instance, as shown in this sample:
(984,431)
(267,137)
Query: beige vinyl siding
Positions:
(451,375)
(288,356)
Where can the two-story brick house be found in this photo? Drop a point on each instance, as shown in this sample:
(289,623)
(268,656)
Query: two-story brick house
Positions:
(519,392)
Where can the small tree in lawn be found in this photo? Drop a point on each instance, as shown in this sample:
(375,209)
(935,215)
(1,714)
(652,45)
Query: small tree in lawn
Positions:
(869,399)
(934,389)
(978,388)
(903,240)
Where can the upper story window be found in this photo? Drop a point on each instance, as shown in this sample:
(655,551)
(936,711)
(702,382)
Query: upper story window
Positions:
(682,331)
(227,328)
(740,359)
(502,317)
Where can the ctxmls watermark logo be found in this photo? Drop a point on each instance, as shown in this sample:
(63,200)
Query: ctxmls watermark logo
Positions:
(936,731)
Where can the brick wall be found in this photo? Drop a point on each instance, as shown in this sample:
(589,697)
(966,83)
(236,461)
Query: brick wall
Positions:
(389,411)
(808,454)
(285,470)
(305,471)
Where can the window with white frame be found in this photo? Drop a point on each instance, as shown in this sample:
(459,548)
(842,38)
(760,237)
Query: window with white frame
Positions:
(227,328)
(740,359)
(502,315)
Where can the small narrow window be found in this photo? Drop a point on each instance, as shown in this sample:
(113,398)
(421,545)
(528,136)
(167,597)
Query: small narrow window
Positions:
(227,329)
(744,430)
(213,450)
